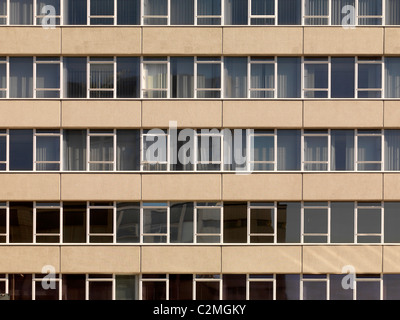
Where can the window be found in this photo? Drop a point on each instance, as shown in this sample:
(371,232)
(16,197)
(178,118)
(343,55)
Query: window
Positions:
(288,222)
(235,77)
(3,12)
(263,12)
(45,16)
(75,12)
(262,77)
(209,12)
(207,287)
(336,290)
(183,150)
(128,77)
(128,150)
(208,222)
(47,150)
(369,222)
(316,218)
(128,12)
(75,78)
(263,155)
(370,12)
(342,81)
(101,12)
(101,222)
(74,150)
(262,222)
(341,16)
(209,149)
(391,222)
(47,222)
(342,150)
(289,149)
(314,287)
(182,77)
(21,77)
(47,77)
(289,77)
(368,287)
(234,286)
(21,12)
(3,150)
(287,286)
(74,286)
(154,154)
(180,286)
(101,77)
(155,77)
(21,222)
(154,287)
(316,75)
(392,16)
(3,77)
(316,150)
(74,222)
(261,287)
(100,287)
(155,220)
(236,12)
(126,287)
(391,285)
(316,12)
(41,293)
(235,222)
(182,12)
(392,76)
(21,149)
(369,77)
(181,222)
(369,150)
(128,222)
(155,12)
(101,150)
(3,223)
(208,77)
(289,12)
(342,222)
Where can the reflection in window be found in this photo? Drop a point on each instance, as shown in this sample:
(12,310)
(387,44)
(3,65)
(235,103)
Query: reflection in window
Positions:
(343,18)
(45,16)
(47,223)
(155,12)
(154,154)
(154,287)
(126,287)
(208,220)
(74,286)
(342,222)
(370,12)
(261,287)
(288,222)
(368,287)
(180,287)
(74,150)
(262,12)
(182,12)
(155,218)
(128,77)
(47,150)
(392,16)
(101,226)
(101,147)
(155,84)
(128,222)
(263,155)
(101,12)
(75,12)
(392,150)
(128,150)
(128,12)
(207,287)
(234,286)
(100,287)
(181,222)
(336,290)
(262,222)
(391,286)
(209,155)
(74,222)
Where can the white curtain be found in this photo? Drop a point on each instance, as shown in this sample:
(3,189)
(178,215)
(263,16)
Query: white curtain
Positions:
(21,12)
(316,8)
(75,150)
(392,12)
(289,73)
(392,77)
(262,77)
(101,150)
(392,150)
(316,149)
(155,76)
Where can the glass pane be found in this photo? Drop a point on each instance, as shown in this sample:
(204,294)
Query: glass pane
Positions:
(207,290)
(346,18)
(392,72)
(180,286)
(342,222)
(392,150)
(261,290)
(74,149)
(289,152)
(182,12)
(208,7)
(182,77)
(263,148)
(289,77)
(316,149)
(182,150)
(235,77)
(236,12)
(47,149)
(234,286)
(99,290)
(316,76)
(287,287)
(314,290)
(392,222)
(208,76)
(3,148)
(369,148)
(342,82)
(235,222)
(75,77)
(262,75)
(74,222)
(288,222)
(73,286)
(101,7)
(21,12)
(154,290)
(47,294)
(368,290)
(128,150)
(128,222)
(128,77)
(21,222)
(21,149)
(48,76)
(3,77)
(181,222)
(289,12)
(128,12)
(126,287)
(315,220)
(155,220)
(155,75)
(75,12)
(20,287)
(101,148)
(47,221)
(21,77)
(101,221)
(101,76)
(262,221)
(263,7)
(337,292)
(3,221)
(369,221)
(342,150)
(391,287)
(208,221)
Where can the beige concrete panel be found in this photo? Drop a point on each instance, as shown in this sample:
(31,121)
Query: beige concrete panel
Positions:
(391,186)
(261,259)
(331,259)
(265,41)
(100,259)
(262,114)
(346,186)
(391,114)
(391,259)
(187,114)
(30,41)
(392,45)
(101,40)
(342,41)
(261,187)
(181,259)
(343,114)
(29,113)
(100,186)
(28,259)
(182,40)
(177,187)
(29,187)
(101,114)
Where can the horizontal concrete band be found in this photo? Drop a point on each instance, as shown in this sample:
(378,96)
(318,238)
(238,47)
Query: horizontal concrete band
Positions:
(200,259)
(199,186)
(216,40)
(199,114)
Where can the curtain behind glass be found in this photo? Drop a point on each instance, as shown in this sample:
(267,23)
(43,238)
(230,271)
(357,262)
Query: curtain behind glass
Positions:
(392,150)
(21,77)
(289,77)
(392,12)
(101,151)
(209,8)
(392,77)
(3,11)
(75,77)
(128,150)
(47,149)
(315,149)
(289,12)
(182,77)
(342,150)
(235,77)
(182,12)
(289,151)
(75,12)
(337,15)
(370,8)
(316,8)
(21,12)
(75,150)
(236,12)
(128,12)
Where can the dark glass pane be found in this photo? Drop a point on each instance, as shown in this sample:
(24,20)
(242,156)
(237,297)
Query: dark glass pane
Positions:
(391,286)
(181,222)
(182,77)
(342,150)
(314,290)
(180,287)
(73,286)
(288,222)
(3,221)
(289,149)
(368,290)
(289,77)
(261,290)
(154,290)
(234,286)
(128,77)
(100,290)
(235,77)
(47,220)
(3,148)
(75,150)
(392,222)
(342,82)
(75,12)
(287,287)
(21,222)
(236,12)
(128,12)
(235,222)
(47,294)
(20,286)
(128,150)
(128,222)
(342,222)
(74,224)
(369,221)
(207,290)
(21,12)
(289,12)
(75,84)
(182,12)
(315,220)
(101,221)
(337,292)
(126,287)
(262,221)
(21,149)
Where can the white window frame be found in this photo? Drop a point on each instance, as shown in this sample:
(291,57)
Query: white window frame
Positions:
(208,205)
(370,61)
(5,206)
(36,135)
(381,207)
(303,153)
(217,61)
(111,235)
(255,16)
(326,207)
(49,61)
(379,133)
(165,280)
(327,17)
(42,205)
(316,62)
(211,136)
(94,279)
(273,60)
(107,60)
(197,16)
(57,280)
(143,159)
(111,16)
(378,278)
(216,278)
(89,134)
(263,279)
(155,205)
(316,279)
(252,205)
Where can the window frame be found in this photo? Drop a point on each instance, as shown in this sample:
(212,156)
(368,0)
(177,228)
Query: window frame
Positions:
(40,205)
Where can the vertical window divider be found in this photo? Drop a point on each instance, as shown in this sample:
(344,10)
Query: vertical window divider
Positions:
(34,150)
(222,76)
(87,150)
(88,77)
(329,150)
(141,76)
(222,13)
(113,287)
(62,77)
(115,11)
(168,76)
(7,77)
(168,223)
(383,95)
(303,11)
(384,12)
(248,222)
(195,147)
(355,222)
(275,76)
(329,76)
(141,222)
(34,223)
(195,13)
(382,150)
(8,14)
(302,222)
(195,76)
(61,151)
(356,150)
(221,223)
(168,155)
(61,13)
(34,9)
(8,150)
(61,222)
(328,287)
(87,222)
(7,222)
(275,213)
(248,77)
(167,284)
(248,12)
(168,21)
(382,222)
(247,286)
(329,17)
(141,150)
(34,72)
(329,224)
(88,13)
(115,149)
(302,150)
(194,225)
(276,12)
(86,286)
(356,75)
(302,76)
(115,73)
(357,14)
